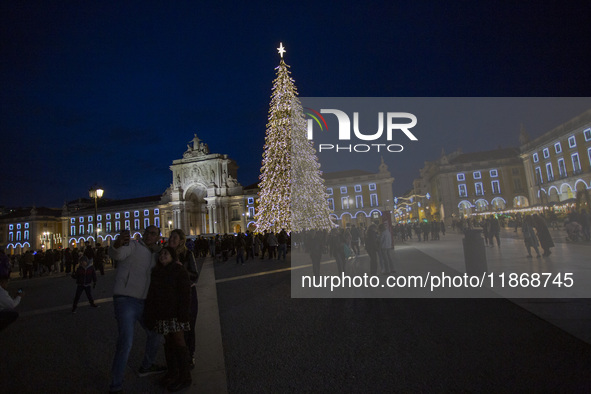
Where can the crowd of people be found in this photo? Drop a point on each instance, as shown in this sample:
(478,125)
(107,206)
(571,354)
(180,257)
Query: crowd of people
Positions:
(155,281)
(36,263)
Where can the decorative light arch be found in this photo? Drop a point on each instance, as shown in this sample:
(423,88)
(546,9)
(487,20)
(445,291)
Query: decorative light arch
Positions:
(481,205)
(554,197)
(520,202)
(465,208)
(358,212)
(584,184)
(566,191)
(374,210)
(498,203)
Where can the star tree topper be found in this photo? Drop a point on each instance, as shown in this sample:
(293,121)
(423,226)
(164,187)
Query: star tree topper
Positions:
(281,50)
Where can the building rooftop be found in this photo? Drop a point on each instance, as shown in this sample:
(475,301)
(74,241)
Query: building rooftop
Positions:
(346,174)
(26,213)
(497,154)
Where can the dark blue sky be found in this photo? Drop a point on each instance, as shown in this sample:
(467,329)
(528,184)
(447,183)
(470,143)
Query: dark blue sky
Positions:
(111,92)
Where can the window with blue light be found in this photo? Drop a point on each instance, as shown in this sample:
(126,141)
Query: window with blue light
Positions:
(572,143)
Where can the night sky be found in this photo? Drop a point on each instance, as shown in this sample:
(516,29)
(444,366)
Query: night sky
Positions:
(112,92)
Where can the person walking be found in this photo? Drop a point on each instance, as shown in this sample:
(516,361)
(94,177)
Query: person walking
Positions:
(386,263)
(85,275)
(494,231)
(167,312)
(134,260)
(177,241)
(372,245)
(543,234)
(282,239)
(529,236)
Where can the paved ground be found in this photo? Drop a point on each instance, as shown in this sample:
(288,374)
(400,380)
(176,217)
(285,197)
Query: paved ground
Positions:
(273,343)
(253,337)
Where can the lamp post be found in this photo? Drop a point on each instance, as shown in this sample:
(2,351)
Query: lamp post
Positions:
(95,193)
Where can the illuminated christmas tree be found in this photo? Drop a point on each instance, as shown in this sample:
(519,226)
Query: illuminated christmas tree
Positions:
(292,194)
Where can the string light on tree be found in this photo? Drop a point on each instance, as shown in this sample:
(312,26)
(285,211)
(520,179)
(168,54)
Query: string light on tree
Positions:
(292,195)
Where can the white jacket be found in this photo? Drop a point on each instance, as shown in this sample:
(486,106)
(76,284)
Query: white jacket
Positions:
(6,301)
(134,268)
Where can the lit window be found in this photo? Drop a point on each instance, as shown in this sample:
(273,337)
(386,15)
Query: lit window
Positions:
(126,214)
(136,214)
(99,217)
(90,218)
(535,157)
(462,190)
(127,224)
(477,175)
(81,229)
(461,177)
(250,200)
(373,199)
(549,172)
(108,227)
(81,219)
(343,189)
(587,134)
(562,168)
(72,220)
(572,142)
(10,226)
(478,188)
(576,163)
(108,216)
(18,235)
(331,204)
(251,212)
(117,215)
(329,191)
(496,187)
(372,186)
(357,188)
(90,231)
(557,147)
(359,201)
(589,154)
(146,212)
(494,173)
(146,223)
(18,226)
(26,235)
(136,224)
(26,225)
(10,237)
(344,202)
(546,153)
(157,222)
(539,179)
(156,211)
(117,226)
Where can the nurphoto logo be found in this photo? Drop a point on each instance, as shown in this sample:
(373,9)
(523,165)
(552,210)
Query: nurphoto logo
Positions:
(393,126)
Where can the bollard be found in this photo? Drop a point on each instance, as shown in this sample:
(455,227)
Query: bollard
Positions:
(474,253)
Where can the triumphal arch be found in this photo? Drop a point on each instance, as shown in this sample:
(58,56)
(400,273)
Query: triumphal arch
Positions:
(205,196)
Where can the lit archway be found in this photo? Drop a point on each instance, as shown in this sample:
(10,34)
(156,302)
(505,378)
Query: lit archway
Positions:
(498,204)
(520,202)
(465,209)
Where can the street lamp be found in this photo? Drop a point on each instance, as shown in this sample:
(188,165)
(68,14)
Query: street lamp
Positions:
(95,193)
